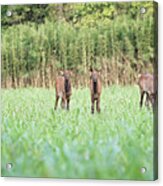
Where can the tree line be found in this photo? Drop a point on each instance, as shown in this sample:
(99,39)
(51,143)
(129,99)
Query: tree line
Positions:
(40,40)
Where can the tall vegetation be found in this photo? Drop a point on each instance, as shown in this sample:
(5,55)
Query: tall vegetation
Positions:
(115,144)
(42,40)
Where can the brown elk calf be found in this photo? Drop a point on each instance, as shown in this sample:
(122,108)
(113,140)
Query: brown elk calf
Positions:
(63,90)
(147,84)
(96,88)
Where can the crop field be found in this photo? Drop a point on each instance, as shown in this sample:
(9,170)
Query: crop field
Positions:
(41,142)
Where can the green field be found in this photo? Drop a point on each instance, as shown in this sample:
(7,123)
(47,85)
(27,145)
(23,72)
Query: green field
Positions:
(41,142)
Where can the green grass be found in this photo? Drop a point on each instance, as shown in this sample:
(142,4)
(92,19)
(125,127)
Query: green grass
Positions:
(41,142)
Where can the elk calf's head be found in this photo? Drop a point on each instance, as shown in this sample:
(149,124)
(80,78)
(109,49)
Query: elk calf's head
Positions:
(94,78)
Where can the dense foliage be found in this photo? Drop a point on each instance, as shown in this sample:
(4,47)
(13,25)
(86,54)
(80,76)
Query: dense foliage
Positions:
(40,40)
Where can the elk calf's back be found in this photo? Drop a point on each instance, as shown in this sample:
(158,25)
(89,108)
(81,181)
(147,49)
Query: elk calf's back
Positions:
(147,85)
(59,86)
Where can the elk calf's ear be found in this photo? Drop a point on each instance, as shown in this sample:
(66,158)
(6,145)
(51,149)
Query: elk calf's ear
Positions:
(90,72)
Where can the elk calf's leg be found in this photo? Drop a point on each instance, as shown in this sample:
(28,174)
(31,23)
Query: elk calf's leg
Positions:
(147,102)
(63,103)
(92,107)
(56,102)
(98,105)
(68,102)
(141,99)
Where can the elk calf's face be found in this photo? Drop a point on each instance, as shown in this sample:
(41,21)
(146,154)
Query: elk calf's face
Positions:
(94,76)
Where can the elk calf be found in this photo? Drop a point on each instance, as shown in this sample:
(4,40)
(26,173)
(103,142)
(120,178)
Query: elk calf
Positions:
(95,88)
(147,85)
(63,90)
